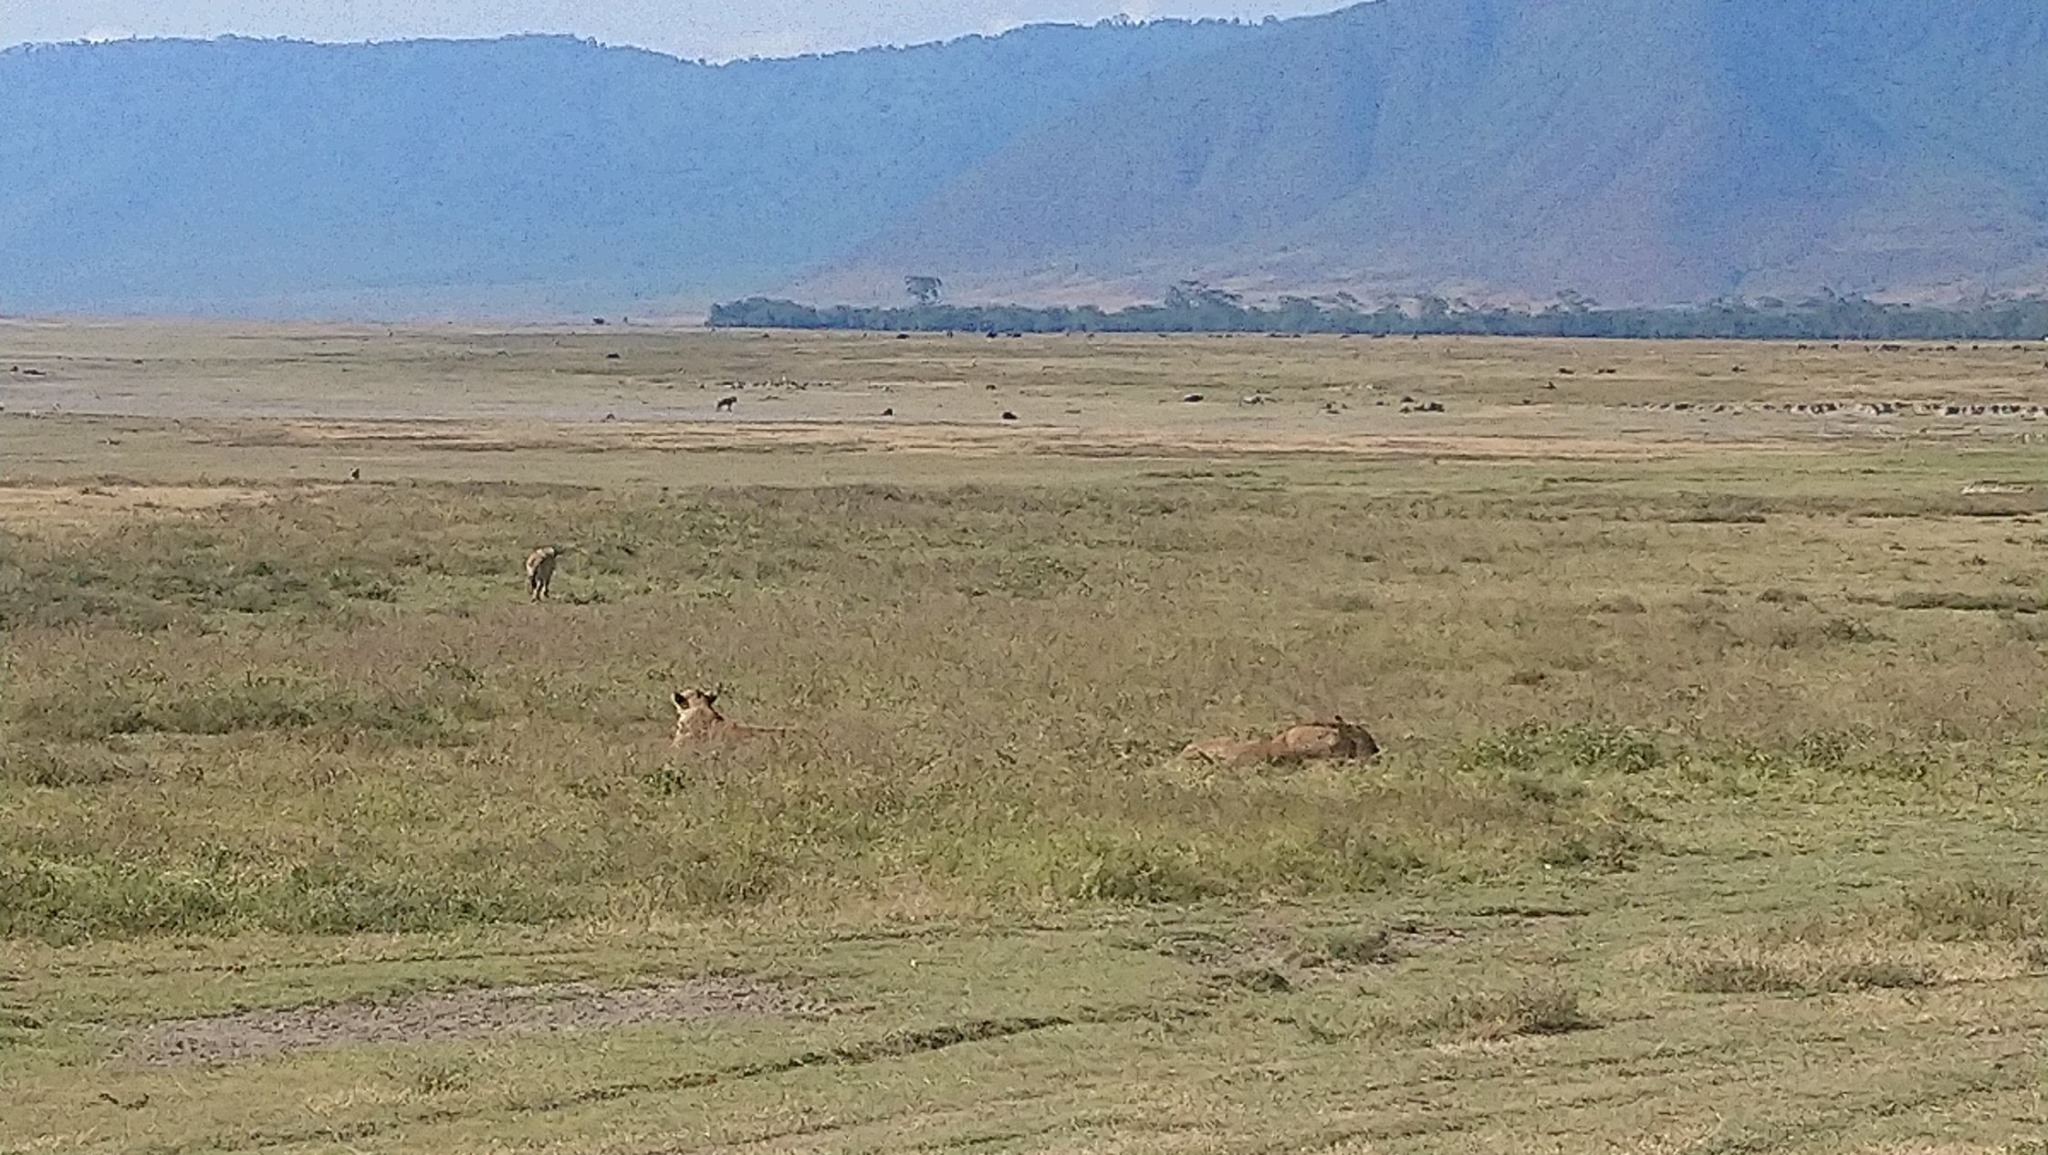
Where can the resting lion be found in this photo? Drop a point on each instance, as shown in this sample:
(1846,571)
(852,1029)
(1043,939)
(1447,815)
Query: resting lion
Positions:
(1336,739)
(698,719)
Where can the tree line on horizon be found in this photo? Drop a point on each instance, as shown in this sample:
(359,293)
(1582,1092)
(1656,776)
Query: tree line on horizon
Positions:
(1191,307)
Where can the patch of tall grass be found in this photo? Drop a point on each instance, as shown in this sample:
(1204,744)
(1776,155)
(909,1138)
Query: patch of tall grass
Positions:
(336,710)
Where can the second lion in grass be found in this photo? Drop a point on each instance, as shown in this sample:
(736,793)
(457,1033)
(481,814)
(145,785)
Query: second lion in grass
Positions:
(697,719)
(1335,740)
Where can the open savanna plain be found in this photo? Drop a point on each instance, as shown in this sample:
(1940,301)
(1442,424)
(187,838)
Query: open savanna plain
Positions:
(1711,815)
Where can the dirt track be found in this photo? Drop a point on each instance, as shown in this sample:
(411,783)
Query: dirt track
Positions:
(471,1014)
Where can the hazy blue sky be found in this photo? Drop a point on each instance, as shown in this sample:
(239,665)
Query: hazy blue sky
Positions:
(717,29)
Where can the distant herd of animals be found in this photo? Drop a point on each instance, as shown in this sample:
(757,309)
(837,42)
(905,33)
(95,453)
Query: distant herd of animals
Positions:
(698,719)
(1858,408)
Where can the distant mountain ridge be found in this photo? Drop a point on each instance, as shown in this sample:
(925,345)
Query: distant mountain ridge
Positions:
(1637,151)
(1640,151)
(523,175)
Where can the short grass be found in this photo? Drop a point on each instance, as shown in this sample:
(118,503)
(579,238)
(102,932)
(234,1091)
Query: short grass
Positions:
(1708,817)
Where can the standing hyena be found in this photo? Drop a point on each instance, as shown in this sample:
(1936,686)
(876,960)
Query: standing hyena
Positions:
(540,569)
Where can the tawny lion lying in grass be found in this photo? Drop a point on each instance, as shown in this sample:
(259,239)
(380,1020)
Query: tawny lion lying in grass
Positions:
(697,719)
(1333,740)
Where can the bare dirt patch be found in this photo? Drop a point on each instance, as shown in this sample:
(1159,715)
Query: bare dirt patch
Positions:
(452,1015)
(79,507)
(969,439)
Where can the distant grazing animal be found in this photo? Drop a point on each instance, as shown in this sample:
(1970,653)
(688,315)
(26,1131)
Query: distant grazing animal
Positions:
(1336,739)
(540,570)
(1009,416)
(698,719)
(726,403)
(355,474)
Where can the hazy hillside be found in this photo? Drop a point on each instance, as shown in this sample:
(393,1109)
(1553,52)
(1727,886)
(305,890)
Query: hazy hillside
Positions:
(1641,151)
(1637,150)
(519,175)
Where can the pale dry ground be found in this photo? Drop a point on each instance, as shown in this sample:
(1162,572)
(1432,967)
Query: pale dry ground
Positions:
(375,397)
(1710,822)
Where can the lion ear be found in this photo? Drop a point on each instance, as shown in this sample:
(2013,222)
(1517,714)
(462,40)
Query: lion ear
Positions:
(709,697)
(679,697)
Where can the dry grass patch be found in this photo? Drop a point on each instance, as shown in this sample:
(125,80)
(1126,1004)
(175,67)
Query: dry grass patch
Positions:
(67,765)
(47,508)
(1923,936)
(1996,602)
(1536,1007)
(457,1015)
(17,1024)
(1740,966)
(1274,961)
(250,720)
(1970,910)
(1345,947)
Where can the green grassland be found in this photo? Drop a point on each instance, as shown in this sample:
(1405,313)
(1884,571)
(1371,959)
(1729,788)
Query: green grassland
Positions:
(1709,818)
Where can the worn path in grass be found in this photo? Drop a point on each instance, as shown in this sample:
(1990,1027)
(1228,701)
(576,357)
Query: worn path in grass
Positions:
(1563,1016)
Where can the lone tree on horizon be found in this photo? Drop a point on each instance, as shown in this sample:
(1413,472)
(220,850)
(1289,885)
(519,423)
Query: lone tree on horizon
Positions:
(924,290)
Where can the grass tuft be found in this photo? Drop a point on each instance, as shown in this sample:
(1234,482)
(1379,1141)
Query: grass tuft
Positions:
(251,703)
(1975,910)
(58,767)
(1882,945)
(1738,969)
(1144,874)
(1577,747)
(427,1076)
(1347,946)
(66,901)
(2009,603)
(1539,1007)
